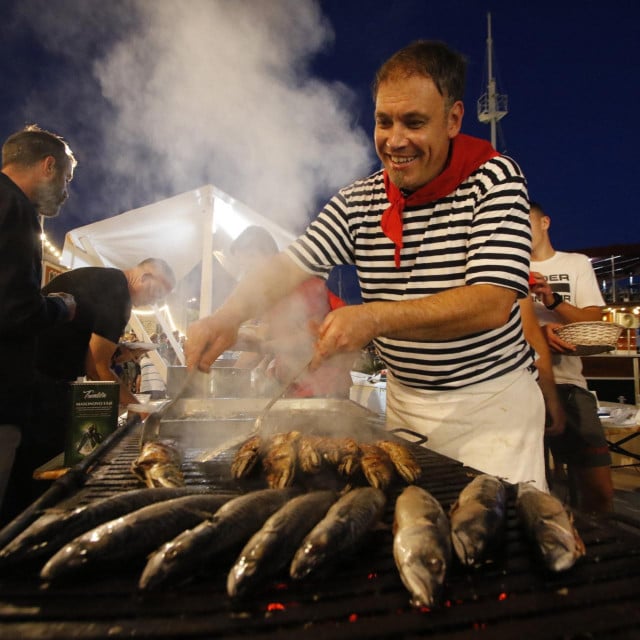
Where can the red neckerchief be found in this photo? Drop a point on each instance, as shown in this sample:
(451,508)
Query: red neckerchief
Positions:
(467,154)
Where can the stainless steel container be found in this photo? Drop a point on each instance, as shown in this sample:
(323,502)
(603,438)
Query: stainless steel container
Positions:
(223,381)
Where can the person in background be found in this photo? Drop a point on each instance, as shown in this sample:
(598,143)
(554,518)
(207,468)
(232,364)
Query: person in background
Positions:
(37,167)
(150,382)
(83,347)
(566,291)
(285,335)
(441,241)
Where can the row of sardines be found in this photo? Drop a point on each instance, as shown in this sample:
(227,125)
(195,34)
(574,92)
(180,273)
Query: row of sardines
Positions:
(175,531)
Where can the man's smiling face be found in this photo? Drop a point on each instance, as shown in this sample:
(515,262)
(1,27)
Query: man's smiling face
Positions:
(413,130)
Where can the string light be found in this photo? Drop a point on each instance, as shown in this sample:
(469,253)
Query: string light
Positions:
(50,248)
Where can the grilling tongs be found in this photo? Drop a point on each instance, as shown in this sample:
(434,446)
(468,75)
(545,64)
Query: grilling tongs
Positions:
(257,427)
(151,425)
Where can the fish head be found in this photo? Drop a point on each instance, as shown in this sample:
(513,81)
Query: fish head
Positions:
(560,545)
(422,562)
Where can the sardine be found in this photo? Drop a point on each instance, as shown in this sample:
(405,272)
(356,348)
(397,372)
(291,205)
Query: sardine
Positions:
(421,545)
(478,518)
(550,526)
(55,528)
(280,459)
(233,524)
(133,535)
(273,546)
(403,460)
(246,457)
(310,453)
(158,464)
(344,526)
(376,466)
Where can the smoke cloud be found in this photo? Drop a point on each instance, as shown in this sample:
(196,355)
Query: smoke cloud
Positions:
(163,96)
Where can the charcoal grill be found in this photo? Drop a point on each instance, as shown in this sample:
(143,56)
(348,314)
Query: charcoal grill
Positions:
(362,597)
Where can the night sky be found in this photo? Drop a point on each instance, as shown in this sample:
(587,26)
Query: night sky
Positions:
(269,100)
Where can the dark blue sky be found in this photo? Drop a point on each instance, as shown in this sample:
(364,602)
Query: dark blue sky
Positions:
(569,68)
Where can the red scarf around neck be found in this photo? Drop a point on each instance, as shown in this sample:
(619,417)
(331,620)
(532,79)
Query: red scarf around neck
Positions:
(467,154)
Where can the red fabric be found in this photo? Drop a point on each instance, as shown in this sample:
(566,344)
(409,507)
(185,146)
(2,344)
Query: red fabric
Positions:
(335,302)
(467,154)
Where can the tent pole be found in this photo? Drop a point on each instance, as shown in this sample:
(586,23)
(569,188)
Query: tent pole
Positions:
(206,280)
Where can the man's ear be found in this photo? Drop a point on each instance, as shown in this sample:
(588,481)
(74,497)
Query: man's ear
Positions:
(49,166)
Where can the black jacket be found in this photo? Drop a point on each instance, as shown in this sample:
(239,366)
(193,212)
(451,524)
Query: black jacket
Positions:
(24,311)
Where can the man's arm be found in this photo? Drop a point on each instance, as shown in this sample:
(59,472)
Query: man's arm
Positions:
(258,291)
(535,337)
(443,316)
(566,313)
(98,365)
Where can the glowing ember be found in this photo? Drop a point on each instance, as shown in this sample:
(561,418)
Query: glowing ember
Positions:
(502,596)
(353,617)
(275,606)
(372,576)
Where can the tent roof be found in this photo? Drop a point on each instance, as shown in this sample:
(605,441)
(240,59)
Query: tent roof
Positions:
(172,229)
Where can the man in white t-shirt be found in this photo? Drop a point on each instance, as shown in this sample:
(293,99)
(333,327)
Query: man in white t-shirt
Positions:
(566,291)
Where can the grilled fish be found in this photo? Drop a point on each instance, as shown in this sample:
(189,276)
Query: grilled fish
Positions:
(55,528)
(158,464)
(310,453)
(478,518)
(550,526)
(421,545)
(273,546)
(246,457)
(403,460)
(233,524)
(280,459)
(133,535)
(376,466)
(343,527)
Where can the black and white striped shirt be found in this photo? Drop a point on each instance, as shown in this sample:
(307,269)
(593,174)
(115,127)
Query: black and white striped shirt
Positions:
(478,234)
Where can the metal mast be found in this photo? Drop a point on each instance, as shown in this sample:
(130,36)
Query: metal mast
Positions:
(492,106)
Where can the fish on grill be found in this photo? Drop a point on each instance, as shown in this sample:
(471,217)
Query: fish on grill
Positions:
(421,545)
(246,457)
(280,459)
(376,466)
(158,464)
(403,460)
(550,526)
(340,531)
(55,528)
(233,524)
(132,536)
(310,453)
(272,547)
(478,518)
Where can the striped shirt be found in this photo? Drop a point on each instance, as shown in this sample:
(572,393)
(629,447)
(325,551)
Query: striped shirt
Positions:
(478,234)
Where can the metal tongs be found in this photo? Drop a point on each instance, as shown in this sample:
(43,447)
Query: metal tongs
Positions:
(257,427)
(151,424)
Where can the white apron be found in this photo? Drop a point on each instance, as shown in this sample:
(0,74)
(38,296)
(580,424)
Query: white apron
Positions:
(496,426)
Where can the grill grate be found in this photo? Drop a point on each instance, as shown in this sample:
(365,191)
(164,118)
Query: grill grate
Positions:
(362,597)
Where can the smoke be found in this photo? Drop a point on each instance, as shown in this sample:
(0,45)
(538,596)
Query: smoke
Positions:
(164,96)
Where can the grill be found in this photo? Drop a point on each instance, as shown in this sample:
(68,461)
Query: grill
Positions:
(361,597)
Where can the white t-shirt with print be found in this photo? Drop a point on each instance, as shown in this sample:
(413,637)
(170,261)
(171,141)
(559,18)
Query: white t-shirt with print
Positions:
(571,276)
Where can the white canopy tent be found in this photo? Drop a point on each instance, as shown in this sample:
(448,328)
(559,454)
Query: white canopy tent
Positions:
(186,230)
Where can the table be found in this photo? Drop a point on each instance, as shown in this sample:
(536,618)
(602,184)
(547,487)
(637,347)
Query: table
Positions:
(621,428)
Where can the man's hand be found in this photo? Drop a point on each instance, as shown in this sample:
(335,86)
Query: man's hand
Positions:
(208,338)
(345,330)
(539,286)
(556,344)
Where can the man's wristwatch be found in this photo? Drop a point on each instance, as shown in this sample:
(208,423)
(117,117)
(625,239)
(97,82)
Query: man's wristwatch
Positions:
(557,299)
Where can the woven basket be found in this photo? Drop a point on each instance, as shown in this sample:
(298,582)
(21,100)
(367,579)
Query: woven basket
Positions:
(591,337)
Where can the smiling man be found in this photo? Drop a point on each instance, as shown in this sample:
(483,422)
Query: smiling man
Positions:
(441,241)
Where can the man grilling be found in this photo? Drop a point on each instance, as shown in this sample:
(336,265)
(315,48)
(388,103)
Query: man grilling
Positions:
(441,240)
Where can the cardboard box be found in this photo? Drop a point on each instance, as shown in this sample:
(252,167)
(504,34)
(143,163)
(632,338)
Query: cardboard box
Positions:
(92,417)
